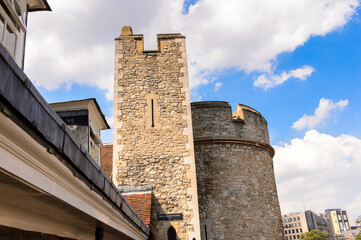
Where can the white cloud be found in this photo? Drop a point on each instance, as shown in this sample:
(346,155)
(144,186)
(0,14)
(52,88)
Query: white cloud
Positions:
(270,80)
(323,169)
(217,86)
(75,42)
(322,112)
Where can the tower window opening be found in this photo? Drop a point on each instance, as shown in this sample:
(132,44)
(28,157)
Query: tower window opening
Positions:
(172,235)
(152,113)
(205,232)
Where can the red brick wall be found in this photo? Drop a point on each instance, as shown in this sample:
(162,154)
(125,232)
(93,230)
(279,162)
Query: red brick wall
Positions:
(106,159)
(142,204)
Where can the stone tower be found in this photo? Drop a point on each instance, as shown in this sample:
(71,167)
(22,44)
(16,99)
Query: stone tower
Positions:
(153,138)
(236,184)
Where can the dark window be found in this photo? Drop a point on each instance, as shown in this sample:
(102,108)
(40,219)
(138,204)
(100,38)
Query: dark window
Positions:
(205,232)
(341,226)
(172,235)
(152,113)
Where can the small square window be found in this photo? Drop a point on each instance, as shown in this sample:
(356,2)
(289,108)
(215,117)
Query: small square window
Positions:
(10,40)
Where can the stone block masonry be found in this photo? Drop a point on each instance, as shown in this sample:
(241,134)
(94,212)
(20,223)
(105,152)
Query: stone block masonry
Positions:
(236,185)
(153,138)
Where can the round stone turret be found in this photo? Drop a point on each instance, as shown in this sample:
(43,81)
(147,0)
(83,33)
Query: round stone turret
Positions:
(235,177)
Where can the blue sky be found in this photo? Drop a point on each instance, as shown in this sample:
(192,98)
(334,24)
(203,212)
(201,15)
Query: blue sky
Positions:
(298,63)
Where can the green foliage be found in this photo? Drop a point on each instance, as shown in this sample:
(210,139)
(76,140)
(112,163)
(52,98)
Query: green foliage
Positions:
(358,237)
(313,235)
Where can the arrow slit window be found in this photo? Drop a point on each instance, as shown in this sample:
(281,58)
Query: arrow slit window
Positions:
(152,112)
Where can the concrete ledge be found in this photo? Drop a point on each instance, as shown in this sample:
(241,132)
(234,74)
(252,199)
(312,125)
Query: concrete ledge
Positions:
(134,189)
(170,35)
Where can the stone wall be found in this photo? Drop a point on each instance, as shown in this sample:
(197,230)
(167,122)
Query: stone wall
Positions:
(236,184)
(153,139)
(214,119)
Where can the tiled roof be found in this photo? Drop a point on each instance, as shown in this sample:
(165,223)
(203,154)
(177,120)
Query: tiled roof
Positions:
(141,203)
(106,159)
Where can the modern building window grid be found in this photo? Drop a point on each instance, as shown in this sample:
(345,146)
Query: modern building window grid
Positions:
(293,227)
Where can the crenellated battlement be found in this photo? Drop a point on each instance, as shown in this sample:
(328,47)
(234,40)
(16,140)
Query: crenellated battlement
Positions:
(127,34)
(163,140)
(153,139)
(216,120)
(241,108)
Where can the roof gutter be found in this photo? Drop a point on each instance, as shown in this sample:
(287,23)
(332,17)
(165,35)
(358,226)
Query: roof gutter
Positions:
(22,103)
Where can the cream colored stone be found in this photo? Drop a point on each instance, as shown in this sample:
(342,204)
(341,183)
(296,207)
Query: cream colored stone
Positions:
(161,155)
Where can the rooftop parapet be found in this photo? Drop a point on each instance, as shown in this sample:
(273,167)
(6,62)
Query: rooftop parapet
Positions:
(127,33)
(216,120)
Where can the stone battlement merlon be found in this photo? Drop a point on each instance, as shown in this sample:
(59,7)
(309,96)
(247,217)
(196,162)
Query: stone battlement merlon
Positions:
(153,133)
(237,116)
(190,153)
(241,108)
(127,33)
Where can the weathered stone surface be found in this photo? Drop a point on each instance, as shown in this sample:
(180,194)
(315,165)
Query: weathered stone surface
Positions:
(236,185)
(154,145)
(153,139)
(214,120)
